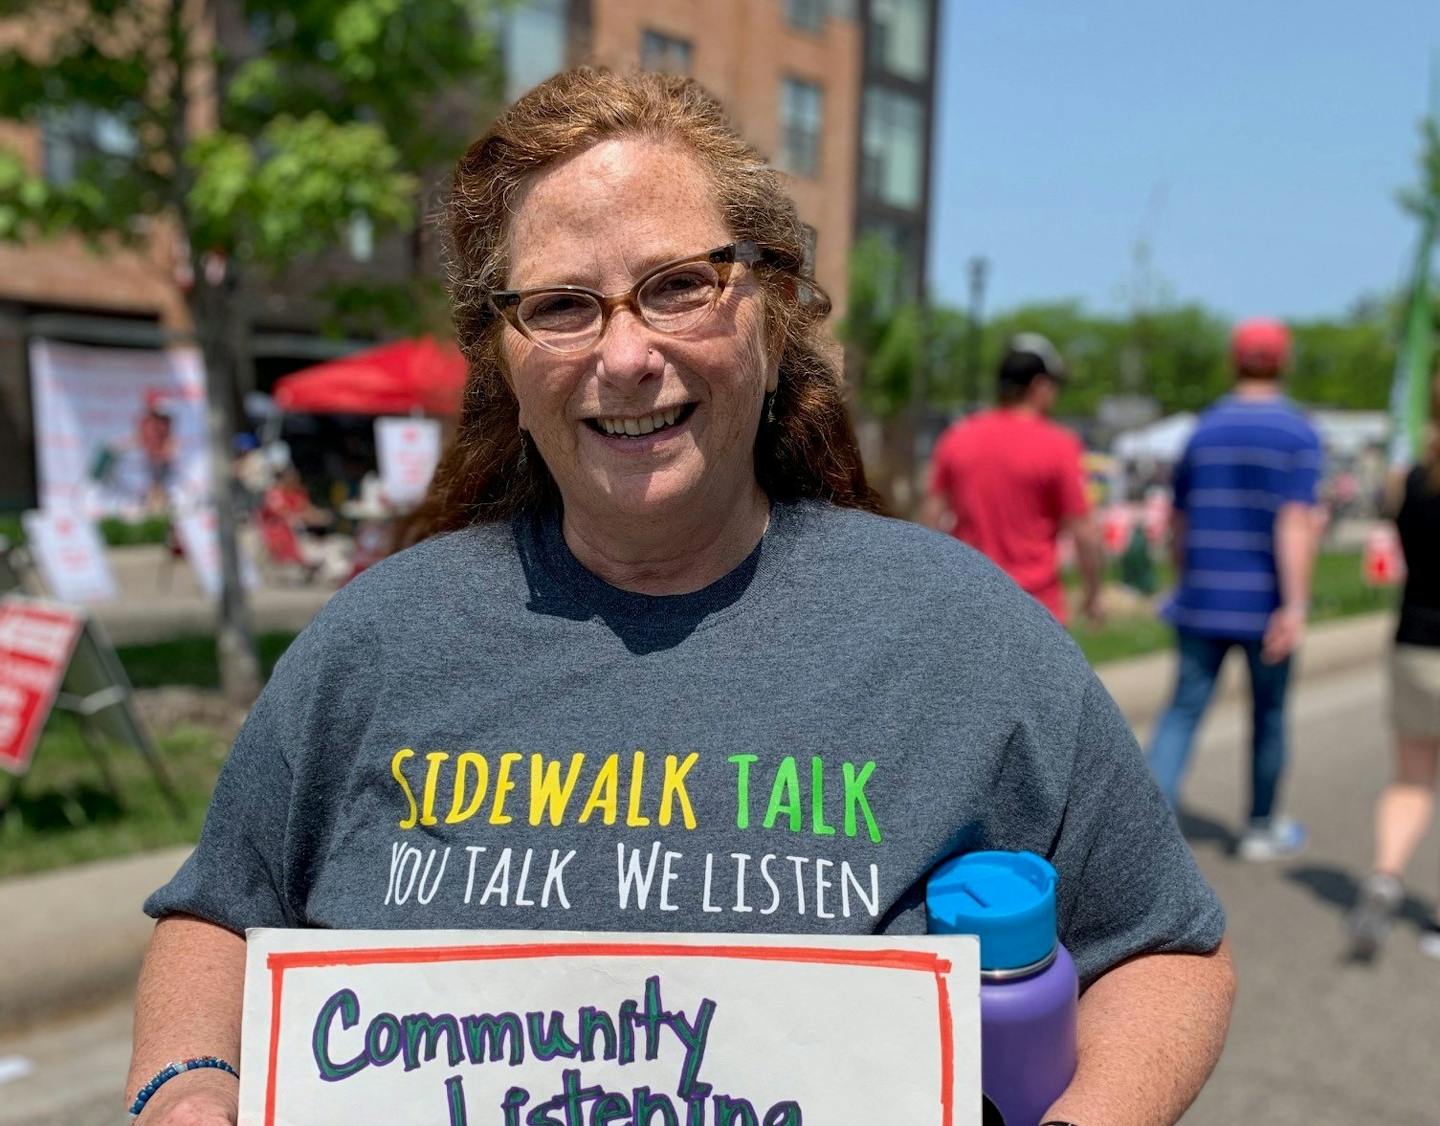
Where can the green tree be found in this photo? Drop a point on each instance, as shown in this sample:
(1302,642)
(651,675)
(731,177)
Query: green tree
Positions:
(255,131)
(881,330)
(1177,353)
(883,333)
(1343,363)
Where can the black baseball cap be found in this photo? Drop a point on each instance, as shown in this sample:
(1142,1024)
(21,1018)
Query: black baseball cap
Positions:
(1027,355)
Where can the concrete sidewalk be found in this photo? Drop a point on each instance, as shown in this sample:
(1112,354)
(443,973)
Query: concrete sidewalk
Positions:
(75,937)
(160,599)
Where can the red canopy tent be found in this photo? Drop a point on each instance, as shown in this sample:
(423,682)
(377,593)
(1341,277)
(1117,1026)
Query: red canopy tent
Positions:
(399,378)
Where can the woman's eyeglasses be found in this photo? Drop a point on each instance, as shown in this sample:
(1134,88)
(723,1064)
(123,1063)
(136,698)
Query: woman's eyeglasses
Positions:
(673,297)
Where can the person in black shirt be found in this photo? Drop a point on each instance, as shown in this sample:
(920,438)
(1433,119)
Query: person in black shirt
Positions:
(1407,805)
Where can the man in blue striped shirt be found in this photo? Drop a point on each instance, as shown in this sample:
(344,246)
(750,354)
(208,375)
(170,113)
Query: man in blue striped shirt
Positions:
(1245,535)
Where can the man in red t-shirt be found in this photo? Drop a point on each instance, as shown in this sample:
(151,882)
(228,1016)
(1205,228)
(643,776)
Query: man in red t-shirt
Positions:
(1008,481)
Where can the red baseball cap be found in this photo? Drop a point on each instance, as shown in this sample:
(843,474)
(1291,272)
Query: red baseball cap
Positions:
(1260,345)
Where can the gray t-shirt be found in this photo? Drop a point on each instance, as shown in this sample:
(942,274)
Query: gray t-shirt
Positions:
(479,733)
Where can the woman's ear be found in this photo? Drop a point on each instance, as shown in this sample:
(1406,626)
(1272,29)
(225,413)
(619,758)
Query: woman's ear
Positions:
(776,327)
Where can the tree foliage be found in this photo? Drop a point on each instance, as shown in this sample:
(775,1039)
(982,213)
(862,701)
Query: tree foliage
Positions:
(260,128)
(258,131)
(1177,355)
(881,329)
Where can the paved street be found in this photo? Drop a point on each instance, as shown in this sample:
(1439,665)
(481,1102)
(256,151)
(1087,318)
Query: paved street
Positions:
(1314,1042)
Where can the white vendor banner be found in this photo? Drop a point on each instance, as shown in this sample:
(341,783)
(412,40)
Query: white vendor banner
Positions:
(546,1028)
(118,431)
(407,450)
(70,555)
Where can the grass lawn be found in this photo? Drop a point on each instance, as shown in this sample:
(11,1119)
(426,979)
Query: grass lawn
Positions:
(64,812)
(191,660)
(1339,590)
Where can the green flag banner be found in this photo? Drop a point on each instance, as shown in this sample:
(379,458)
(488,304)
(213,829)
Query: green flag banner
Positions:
(1410,392)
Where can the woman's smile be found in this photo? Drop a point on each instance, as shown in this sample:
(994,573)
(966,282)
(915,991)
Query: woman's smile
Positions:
(638,433)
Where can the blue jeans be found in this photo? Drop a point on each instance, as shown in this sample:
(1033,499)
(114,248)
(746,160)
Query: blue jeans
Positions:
(1200,659)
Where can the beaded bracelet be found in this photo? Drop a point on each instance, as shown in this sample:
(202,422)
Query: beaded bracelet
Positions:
(169,1071)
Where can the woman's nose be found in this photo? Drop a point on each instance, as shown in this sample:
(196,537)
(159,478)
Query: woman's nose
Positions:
(626,350)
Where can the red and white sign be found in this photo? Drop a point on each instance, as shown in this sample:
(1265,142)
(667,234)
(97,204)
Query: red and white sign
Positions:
(1156,514)
(407,450)
(67,548)
(198,530)
(1383,561)
(1116,523)
(36,640)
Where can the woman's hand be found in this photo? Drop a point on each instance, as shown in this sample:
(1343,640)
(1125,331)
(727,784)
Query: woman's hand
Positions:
(204,1097)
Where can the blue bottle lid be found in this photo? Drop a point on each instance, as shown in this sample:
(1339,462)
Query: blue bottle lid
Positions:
(1007,898)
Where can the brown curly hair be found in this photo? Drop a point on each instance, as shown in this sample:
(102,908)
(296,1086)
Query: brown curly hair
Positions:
(491,470)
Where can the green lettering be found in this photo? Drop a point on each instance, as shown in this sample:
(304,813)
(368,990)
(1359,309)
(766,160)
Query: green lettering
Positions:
(817,799)
(742,788)
(785,795)
(855,799)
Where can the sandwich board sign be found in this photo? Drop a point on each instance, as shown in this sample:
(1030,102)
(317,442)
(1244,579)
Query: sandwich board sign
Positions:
(553,1028)
(54,656)
(407,450)
(37,640)
(198,530)
(70,556)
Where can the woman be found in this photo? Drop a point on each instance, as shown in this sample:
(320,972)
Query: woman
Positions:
(653,615)
(1407,806)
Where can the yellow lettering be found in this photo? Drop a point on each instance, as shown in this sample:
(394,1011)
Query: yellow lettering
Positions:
(482,778)
(604,794)
(637,779)
(400,756)
(675,787)
(546,788)
(503,786)
(432,780)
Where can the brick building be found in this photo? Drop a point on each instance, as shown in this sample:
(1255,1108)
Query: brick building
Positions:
(838,93)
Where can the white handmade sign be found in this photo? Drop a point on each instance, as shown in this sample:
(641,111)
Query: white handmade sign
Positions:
(198,530)
(70,555)
(543,1028)
(407,450)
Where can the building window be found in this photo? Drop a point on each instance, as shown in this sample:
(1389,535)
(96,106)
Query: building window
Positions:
(73,138)
(534,39)
(898,38)
(892,161)
(659,51)
(800,127)
(807,15)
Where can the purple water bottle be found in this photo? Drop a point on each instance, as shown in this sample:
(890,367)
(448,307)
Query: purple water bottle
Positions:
(1028,986)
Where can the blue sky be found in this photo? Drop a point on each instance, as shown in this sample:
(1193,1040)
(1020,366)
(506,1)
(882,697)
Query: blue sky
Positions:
(1258,143)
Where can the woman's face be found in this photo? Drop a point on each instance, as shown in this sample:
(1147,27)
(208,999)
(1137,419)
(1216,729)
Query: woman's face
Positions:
(602,219)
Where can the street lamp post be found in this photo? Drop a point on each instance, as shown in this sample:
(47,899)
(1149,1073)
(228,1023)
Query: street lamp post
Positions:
(979,271)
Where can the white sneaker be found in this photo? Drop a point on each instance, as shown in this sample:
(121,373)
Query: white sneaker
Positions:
(1430,939)
(1279,839)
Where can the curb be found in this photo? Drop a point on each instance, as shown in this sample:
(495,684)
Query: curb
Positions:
(75,937)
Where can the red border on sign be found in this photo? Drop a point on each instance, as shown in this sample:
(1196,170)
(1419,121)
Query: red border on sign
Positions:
(918,961)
